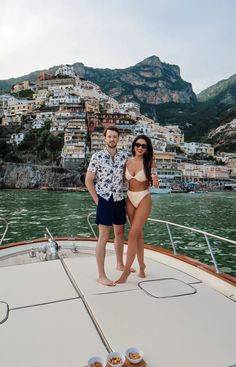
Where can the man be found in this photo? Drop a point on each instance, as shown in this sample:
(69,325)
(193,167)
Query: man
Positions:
(107,167)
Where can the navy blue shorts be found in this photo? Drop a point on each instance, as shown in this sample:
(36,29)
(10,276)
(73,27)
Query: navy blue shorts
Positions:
(110,212)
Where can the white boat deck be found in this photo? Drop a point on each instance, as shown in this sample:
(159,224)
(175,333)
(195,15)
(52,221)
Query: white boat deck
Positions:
(54,313)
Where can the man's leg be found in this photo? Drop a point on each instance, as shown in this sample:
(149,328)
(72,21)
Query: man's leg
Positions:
(104,232)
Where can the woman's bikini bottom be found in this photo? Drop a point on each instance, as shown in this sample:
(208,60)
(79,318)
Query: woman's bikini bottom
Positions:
(136,196)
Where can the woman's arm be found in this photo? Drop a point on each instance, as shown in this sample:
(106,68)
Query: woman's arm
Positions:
(155,181)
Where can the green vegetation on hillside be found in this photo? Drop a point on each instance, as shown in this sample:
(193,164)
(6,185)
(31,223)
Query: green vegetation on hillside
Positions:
(27,93)
(38,146)
(218,90)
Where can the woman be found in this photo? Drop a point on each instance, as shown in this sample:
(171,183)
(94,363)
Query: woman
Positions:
(138,173)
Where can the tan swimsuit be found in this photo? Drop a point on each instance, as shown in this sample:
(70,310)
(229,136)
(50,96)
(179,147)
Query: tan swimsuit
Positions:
(136,196)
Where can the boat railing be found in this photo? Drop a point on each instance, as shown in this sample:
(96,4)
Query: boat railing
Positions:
(90,225)
(205,234)
(5,230)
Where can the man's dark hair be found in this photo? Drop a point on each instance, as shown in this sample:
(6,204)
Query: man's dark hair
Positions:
(113,128)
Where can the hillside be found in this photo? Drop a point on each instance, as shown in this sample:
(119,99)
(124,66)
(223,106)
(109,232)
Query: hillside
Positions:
(162,94)
(224,137)
(148,82)
(221,92)
(222,95)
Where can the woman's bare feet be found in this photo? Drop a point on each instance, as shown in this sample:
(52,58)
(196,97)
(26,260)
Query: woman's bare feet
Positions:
(106,281)
(141,273)
(123,277)
(122,268)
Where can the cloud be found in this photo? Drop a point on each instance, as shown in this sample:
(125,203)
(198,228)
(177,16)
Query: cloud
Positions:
(197,36)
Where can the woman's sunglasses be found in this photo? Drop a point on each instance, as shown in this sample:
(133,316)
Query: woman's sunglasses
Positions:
(143,146)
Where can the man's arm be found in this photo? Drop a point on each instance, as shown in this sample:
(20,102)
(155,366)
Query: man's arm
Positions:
(89,183)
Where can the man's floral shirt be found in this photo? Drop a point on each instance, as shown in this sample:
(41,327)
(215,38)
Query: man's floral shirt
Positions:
(108,173)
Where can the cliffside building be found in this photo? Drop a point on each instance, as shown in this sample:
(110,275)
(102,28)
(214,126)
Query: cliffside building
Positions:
(25,85)
(75,143)
(167,164)
(197,148)
(65,70)
(17,138)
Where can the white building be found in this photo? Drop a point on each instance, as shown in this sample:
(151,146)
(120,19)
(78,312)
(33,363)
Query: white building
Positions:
(17,138)
(215,172)
(45,115)
(58,127)
(60,90)
(21,107)
(41,118)
(63,99)
(158,145)
(197,148)
(191,172)
(66,70)
(40,97)
(141,128)
(6,100)
(130,107)
(74,150)
(8,119)
(38,124)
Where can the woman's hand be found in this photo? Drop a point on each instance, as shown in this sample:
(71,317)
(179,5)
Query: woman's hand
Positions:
(155,181)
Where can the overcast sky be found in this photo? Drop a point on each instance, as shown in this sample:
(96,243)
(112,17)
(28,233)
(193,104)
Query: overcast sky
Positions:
(196,35)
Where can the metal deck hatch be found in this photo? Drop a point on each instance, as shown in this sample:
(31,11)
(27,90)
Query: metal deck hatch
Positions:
(165,288)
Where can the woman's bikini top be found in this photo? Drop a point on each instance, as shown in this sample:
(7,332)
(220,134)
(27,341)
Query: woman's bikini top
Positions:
(140,175)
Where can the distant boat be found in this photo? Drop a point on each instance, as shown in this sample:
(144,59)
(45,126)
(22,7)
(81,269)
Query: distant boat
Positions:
(230,186)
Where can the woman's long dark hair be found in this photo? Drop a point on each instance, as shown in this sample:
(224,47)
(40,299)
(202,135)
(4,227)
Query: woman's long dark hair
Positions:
(147,157)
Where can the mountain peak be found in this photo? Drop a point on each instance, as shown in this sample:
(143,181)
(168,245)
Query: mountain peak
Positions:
(151,61)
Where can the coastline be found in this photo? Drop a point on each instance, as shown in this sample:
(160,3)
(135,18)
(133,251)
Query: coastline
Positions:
(70,189)
(84,189)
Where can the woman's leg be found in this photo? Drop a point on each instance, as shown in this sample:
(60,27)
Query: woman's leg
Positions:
(140,256)
(140,244)
(130,210)
(119,230)
(139,219)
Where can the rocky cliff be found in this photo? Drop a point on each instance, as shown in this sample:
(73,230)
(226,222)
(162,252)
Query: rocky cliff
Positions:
(148,82)
(23,176)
